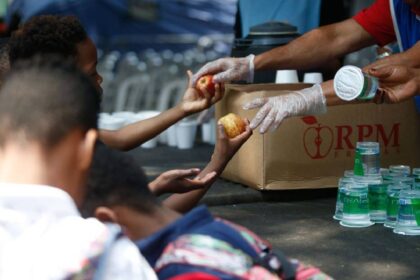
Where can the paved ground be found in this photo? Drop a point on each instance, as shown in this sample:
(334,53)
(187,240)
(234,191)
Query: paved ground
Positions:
(300,223)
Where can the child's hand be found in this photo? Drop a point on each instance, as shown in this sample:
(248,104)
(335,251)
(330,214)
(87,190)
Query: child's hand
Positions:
(194,101)
(177,181)
(226,148)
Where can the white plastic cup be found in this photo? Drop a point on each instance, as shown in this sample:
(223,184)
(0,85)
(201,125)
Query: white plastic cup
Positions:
(152,143)
(110,123)
(185,134)
(144,115)
(126,115)
(313,78)
(172,141)
(287,77)
(213,131)
(206,132)
(163,137)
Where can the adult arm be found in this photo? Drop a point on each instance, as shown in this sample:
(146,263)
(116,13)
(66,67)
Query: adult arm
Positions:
(311,50)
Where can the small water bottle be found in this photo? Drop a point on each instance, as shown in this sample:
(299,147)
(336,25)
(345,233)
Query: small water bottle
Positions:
(351,83)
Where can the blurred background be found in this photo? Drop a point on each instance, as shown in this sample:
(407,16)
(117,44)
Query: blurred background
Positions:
(146,46)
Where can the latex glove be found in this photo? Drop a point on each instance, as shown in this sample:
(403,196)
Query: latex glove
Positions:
(309,101)
(180,181)
(228,69)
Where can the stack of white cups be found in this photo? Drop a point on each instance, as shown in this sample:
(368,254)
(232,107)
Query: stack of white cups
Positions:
(182,135)
(291,77)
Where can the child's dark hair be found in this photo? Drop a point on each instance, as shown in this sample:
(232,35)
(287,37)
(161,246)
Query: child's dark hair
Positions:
(115,179)
(47,35)
(42,99)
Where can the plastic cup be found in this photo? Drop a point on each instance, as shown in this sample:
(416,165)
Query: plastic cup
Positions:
(349,174)
(163,137)
(409,181)
(408,220)
(342,183)
(313,78)
(403,170)
(213,136)
(126,115)
(356,206)
(111,123)
(392,203)
(185,134)
(144,115)
(286,77)
(416,175)
(206,132)
(367,161)
(377,195)
(384,172)
(172,141)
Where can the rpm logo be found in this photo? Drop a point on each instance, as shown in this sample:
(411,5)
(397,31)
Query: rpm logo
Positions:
(317,140)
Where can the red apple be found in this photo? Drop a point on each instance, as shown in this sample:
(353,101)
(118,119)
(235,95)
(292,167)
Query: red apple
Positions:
(233,125)
(206,83)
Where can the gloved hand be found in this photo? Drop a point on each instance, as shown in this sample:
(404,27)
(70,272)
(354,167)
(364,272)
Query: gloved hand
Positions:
(309,101)
(228,69)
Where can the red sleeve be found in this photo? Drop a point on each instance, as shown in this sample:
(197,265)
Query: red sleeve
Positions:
(377,21)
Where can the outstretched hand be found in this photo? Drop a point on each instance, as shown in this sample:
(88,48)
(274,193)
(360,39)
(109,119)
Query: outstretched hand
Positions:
(196,101)
(227,147)
(180,181)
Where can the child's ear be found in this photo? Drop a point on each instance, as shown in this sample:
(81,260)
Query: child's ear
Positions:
(106,215)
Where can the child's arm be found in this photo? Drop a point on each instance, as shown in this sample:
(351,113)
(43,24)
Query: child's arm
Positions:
(180,181)
(137,133)
(225,149)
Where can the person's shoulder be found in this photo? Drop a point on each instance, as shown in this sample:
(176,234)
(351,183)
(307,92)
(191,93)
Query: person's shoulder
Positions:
(126,262)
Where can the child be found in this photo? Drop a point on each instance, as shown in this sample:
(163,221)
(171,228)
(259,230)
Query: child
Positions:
(66,36)
(182,246)
(48,130)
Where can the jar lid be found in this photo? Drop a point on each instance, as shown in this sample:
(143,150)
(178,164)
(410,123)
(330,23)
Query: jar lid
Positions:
(273,28)
(348,82)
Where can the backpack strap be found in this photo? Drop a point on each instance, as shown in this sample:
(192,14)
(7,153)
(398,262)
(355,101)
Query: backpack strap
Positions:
(275,262)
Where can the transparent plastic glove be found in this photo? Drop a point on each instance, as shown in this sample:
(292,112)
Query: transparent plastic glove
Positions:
(309,101)
(228,69)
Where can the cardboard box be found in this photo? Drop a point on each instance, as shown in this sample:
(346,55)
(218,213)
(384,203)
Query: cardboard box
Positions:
(313,152)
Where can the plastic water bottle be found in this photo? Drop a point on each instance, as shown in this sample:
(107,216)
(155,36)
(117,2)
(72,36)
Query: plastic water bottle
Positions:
(350,83)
